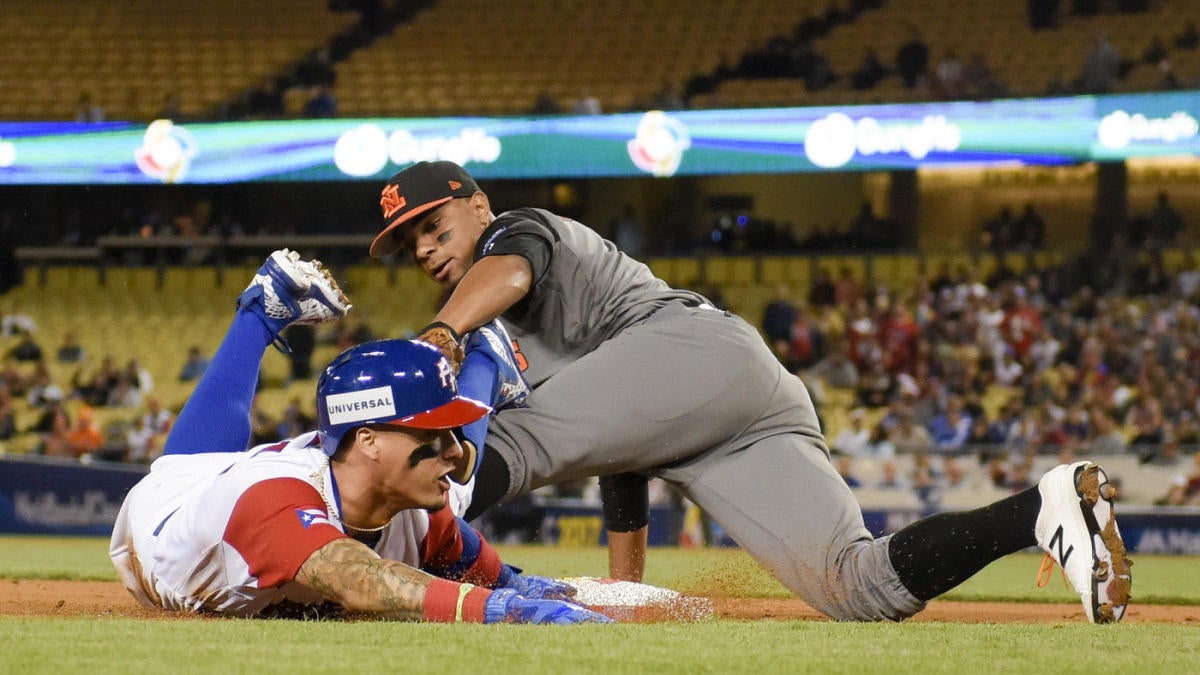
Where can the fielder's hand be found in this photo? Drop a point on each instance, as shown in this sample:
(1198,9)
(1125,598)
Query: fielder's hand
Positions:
(534,587)
(505,606)
(446,340)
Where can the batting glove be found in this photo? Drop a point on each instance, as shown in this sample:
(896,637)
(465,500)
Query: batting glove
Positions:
(492,340)
(534,587)
(506,606)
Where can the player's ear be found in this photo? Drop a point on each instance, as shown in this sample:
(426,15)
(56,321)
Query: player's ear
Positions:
(367,438)
(481,208)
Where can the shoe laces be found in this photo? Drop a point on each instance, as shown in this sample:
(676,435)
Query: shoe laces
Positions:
(1046,570)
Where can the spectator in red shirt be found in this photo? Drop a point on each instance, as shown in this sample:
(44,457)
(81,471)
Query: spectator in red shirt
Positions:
(899,335)
(806,345)
(848,289)
(1021,324)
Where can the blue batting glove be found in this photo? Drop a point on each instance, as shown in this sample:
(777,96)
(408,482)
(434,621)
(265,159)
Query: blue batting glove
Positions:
(506,606)
(492,340)
(534,587)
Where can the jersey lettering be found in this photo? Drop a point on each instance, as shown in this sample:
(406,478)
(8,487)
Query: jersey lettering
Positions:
(491,241)
(522,362)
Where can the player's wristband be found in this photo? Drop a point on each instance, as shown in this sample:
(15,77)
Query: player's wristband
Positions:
(447,602)
(441,324)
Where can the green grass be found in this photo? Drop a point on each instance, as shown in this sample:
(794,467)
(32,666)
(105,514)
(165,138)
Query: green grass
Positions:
(251,646)
(76,558)
(1157,579)
(118,645)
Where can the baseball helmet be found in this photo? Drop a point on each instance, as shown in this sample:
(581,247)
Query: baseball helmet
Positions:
(404,383)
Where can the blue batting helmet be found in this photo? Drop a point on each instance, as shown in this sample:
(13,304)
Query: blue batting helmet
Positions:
(400,382)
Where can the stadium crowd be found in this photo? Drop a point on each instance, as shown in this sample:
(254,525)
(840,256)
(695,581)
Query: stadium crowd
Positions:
(1099,356)
(109,412)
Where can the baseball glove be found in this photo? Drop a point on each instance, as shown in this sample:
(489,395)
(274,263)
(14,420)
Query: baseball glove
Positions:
(446,340)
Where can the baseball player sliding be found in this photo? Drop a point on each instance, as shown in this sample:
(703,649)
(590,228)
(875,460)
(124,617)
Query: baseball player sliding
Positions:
(213,528)
(634,379)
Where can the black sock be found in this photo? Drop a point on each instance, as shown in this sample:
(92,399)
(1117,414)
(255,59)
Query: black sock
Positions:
(491,483)
(935,554)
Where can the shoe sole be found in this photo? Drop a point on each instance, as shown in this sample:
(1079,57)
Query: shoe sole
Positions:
(1111,580)
(282,272)
(338,301)
(323,290)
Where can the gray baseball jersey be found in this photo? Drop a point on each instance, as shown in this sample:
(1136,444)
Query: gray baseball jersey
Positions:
(631,375)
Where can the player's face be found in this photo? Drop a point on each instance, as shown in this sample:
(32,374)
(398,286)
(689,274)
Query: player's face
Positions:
(418,464)
(442,242)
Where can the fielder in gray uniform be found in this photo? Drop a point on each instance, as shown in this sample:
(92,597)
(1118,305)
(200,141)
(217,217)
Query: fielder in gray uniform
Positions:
(634,379)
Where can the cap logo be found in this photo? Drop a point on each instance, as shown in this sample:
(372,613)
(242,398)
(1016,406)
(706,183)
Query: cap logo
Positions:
(359,406)
(392,201)
(454,185)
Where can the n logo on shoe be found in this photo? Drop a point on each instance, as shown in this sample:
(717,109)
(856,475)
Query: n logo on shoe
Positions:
(1061,554)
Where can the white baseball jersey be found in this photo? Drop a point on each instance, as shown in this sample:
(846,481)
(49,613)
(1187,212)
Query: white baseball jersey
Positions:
(228,532)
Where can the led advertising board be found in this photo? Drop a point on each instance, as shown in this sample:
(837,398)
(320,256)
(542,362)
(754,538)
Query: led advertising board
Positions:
(656,143)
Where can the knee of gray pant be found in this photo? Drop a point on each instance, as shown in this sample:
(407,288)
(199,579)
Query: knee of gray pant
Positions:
(862,585)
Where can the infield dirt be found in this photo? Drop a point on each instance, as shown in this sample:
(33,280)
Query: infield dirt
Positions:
(109,599)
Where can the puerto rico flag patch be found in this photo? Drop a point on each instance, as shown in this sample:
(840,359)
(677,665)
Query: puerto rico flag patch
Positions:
(310,517)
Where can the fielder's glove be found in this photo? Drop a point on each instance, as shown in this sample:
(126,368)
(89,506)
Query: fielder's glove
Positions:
(492,340)
(448,342)
(532,586)
(506,606)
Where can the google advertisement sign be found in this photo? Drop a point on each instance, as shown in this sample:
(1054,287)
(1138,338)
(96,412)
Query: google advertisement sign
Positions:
(1119,129)
(367,149)
(834,140)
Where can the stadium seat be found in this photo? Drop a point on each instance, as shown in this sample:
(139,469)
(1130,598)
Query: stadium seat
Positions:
(206,53)
(899,272)
(662,41)
(136,51)
(736,271)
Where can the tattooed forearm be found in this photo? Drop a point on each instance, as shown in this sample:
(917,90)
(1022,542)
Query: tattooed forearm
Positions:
(352,575)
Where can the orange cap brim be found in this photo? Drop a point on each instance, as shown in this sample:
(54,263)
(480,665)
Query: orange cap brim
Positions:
(385,243)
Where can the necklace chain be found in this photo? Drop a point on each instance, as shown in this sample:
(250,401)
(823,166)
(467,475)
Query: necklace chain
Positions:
(319,477)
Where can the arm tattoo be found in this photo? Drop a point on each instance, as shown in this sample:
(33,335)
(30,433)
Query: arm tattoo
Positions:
(354,576)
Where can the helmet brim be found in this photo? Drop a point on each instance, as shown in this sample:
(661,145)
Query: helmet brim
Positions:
(459,411)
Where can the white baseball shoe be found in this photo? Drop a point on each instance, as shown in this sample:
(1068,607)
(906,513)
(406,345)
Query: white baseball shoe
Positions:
(287,290)
(324,301)
(1077,529)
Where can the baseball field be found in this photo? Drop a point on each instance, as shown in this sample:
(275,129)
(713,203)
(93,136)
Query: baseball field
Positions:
(62,610)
